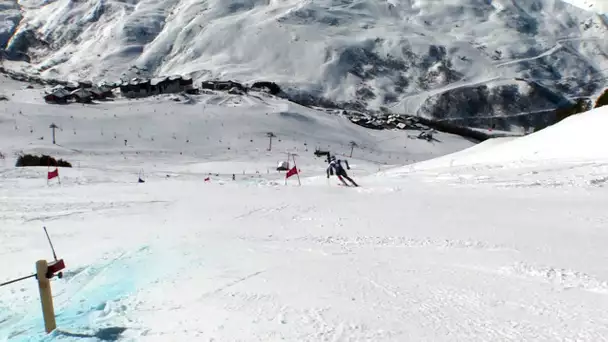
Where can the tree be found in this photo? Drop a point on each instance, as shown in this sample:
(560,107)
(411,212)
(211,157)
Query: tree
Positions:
(352,147)
(270,135)
(602,100)
(581,105)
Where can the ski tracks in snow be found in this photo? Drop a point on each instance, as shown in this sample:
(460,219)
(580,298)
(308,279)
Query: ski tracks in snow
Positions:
(232,283)
(348,243)
(92,297)
(521,174)
(561,278)
(261,210)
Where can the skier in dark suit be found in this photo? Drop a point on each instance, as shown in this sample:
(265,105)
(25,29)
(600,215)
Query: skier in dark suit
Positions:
(335,166)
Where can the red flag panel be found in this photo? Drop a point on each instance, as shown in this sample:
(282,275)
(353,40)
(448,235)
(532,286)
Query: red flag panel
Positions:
(53,174)
(291,172)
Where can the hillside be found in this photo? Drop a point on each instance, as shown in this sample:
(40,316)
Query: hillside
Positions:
(568,154)
(502,63)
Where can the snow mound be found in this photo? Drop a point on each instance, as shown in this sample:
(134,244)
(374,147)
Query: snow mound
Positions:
(568,154)
(577,138)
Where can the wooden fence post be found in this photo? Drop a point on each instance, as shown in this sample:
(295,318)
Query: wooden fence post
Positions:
(46,297)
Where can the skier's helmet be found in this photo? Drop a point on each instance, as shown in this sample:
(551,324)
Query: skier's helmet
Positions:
(332,158)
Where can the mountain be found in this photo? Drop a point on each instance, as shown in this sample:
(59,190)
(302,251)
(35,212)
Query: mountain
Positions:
(506,63)
(502,241)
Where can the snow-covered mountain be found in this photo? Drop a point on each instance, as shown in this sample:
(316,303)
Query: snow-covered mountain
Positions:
(474,62)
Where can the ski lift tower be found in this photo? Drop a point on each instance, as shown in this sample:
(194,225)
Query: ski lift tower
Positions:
(53,127)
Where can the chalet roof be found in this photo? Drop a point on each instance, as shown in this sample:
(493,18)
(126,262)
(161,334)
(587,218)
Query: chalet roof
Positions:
(186,80)
(81,92)
(85,84)
(59,92)
(158,80)
(96,90)
(138,81)
(108,84)
(104,88)
(59,86)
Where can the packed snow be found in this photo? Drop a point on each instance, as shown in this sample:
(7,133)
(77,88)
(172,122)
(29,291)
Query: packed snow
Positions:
(443,241)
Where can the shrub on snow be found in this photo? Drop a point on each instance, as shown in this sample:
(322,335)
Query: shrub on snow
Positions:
(44,160)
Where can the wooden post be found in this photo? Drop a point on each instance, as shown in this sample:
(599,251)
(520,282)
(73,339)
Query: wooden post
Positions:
(288,157)
(46,298)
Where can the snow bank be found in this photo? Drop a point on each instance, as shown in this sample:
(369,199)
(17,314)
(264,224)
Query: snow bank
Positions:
(578,138)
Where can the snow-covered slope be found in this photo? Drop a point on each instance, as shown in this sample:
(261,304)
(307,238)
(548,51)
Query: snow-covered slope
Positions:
(569,153)
(427,257)
(576,138)
(415,56)
(598,6)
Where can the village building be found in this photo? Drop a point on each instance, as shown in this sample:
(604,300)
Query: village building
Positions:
(109,85)
(174,84)
(85,84)
(223,86)
(107,90)
(171,84)
(269,87)
(82,95)
(186,84)
(165,85)
(101,92)
(157,84)
(71,86)
(136,88)
(57,95)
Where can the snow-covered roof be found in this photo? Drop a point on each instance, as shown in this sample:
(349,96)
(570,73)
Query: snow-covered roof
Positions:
(158,80)
(97,90)
(59,92)
(104,88)
(80,92)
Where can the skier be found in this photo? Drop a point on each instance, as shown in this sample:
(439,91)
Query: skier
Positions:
(335,165)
